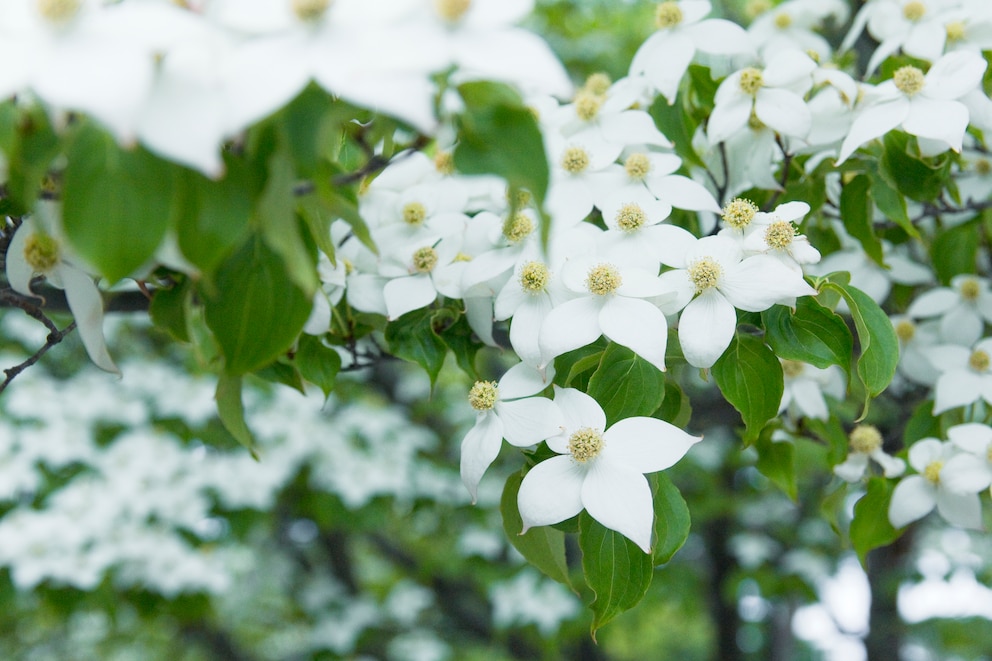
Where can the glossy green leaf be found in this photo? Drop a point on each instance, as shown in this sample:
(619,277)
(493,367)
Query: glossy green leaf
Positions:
(543,546)
(574,368)
(256,311)
(671,518)
(30,144)
(915,177)
(456,333)
(231,410)
(317,363)
(215,216)
(811,334)
(616,569)
(891,203)
(857,212)
(750,377)
(673,121)
(955,251)
(412,338)
(676,407)
(116,204)
(777,462)
(870,527)
(626,385)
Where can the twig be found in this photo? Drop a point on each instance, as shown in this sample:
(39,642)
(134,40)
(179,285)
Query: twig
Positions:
(55,336)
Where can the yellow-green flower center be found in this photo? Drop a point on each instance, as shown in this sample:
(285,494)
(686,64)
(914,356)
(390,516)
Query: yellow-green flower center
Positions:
(865,439)
(908,79)
(41,252)
(424,260)
(483,395)
(521,197)
(452,10)
(754,122)
(597,83)
(414,213)
(905,330)
(534,277)
(517,227)
(792,368)
(603,279)
(979,360)
(982,166)
(310,10)
(914,11)
(444,162)
(755,8)
(705,274)
(575,160)
(956,31)
(739,213)
(58,11)
(932,471)
(783,20)
(637,166)
(585,444)
(779,234)
(667,15)
(587,105)
(631,217)
(462,257)
(970,289)
(751,80)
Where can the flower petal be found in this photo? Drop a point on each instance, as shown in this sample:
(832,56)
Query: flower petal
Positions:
(646,445)
(912,499)
(529,421)
(87,309)
(571,325)
(637,325)
(961,509)
(551,492)
(480,447)
(620,499)
(873,122)
(579,411)
(706,327)
(408,293)
(523,380)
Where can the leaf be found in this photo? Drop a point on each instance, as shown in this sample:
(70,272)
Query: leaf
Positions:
(231,410)
(891,203)
(168,309)
(282,373)
(577,365)
(457,335)
(879,344)
(870,527)
(676,407)
(750,377)
(276,217)
(777,462)
(671,518)
(857,211)
(256,312)
(616,569)
(116,204)
(915,177)
(412,338)
(543,547)
(811,334)
(626,385)
(955,250)
(317,363)
(675,124)
(30,145)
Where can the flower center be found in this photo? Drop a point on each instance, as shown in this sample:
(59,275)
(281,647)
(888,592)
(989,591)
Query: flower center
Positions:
(587,105)
(58,11)
(451,10)
(597,83)
(908,79)
(575,160)
(865,439)
(779,234)
(792,368)
(751,80)
(970,289)
(983,166)
(483,395)
(932,471)
(955,31)
(534,277)
(905,330)
(755,8)
(41,252)
(630,217)
(783,20)
(444,162)
(754,122)
(520,196)
(705,274)
(603,279)
(739,213)
(637,166)
(914,11)
(585,444)
(979,360)
(310,10)
(424,260)
(517,228)
(667,15)
(414,213)
(462,257)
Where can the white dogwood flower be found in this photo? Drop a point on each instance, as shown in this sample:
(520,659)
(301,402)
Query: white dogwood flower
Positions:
(866,444)
(917,495)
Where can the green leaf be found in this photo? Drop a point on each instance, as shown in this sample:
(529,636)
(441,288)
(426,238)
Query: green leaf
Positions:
(915,177)
(626,385)
(412,338)
(811,334)
(777,462)
(256,312)
(116,204)
(494,117)
(282,373)
(577,366)
(317,363)
(879,344)
(870,527)
(676,407)
(456,333)
(921,424)
(231,410)
(543,547)
(168,309)
(276,217)
(671,518)
(892,203)
(30,144)
(673,121)
(955,251)
(616,569)
(857,211)
(750,376)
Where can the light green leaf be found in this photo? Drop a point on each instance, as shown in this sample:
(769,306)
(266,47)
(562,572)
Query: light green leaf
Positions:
(168,309)
(857,212)
(777,462)
(317,363)
(276,217)
(870,527)
(543,547)
(954,251)
(231,410)
(626,385)
(671,518)
(750,377)
(811,334)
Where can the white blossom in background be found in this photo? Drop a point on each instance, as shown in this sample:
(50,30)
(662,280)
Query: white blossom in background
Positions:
(793,25)
(805,387)
(530,598)
(962,309)
(972,469)
(965,374)
(865,447)
(915,340)
(933,487)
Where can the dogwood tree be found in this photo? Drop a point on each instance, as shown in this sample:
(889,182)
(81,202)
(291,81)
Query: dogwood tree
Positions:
(789,219)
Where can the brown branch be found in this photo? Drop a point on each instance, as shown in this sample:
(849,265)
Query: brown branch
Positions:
(55,336)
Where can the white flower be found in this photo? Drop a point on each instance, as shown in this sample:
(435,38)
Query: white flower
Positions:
(972,469)
(866,443)
(507,410)
(805,386)
(775,234)
(917,495)
(963,308)
(37,250)
(915,341)
(601,470)
(965,375)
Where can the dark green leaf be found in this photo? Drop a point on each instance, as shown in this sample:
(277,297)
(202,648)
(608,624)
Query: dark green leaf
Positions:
(168,309)
(671,518)
(673,121)
(811,334)
(276,217)
(777,462)
(543,547)
(954,251)
(870,527)
(857,212)
(915,177)
(231,410)
(458,336)
(892,203)
(282,373)
(676,407)
(750,376)
(317,363)
(412,338)
(626,385)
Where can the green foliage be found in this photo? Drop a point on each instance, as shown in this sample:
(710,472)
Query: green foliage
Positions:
(317,363)
(811,333)
(857,211)
(671,518)
(412,337)
(543,547)
(750,376)
(777,462)
(231,410)
(626,385)
(870,527)
(955,250)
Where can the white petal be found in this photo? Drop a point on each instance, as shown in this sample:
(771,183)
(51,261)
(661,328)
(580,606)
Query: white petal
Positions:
(408,293)
(939,120)
(961,509)
(760,281)
(620,499)
(783,111)
(973,437)
(579,410)
(728,118)
(706,328)
(956,388)
(646,445)
(933,302)
(525,327)
(853,468)
(637,325)
(871,123)
(809,399)
(551,492)
(912,499)
(19,272)
(480,447)
(571,325)
(87,309)
(966,473)
(529,421)
(954,75)
(683,193)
